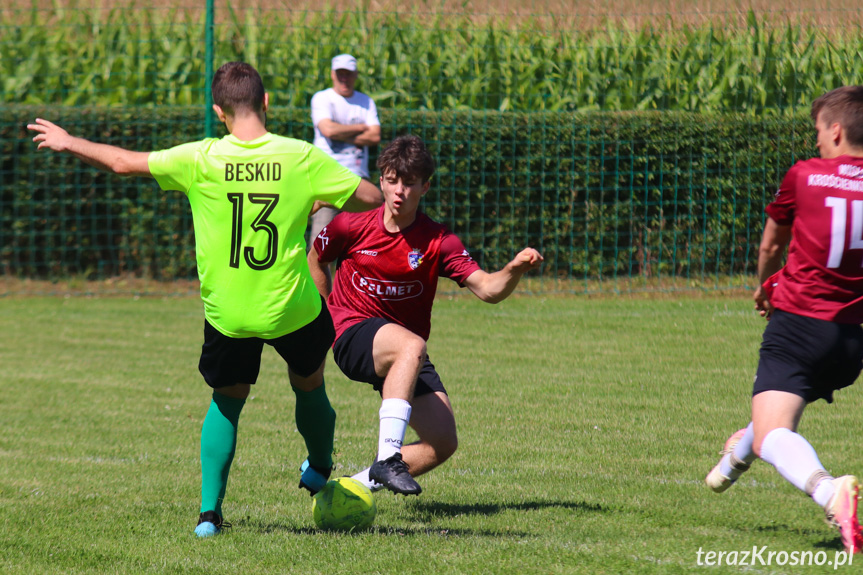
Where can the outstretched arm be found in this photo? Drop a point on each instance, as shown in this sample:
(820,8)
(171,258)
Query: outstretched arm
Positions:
(496,287)
(102,156)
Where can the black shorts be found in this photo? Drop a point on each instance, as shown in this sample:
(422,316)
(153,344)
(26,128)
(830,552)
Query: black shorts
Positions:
(353,354)
(228,360)
(808,357)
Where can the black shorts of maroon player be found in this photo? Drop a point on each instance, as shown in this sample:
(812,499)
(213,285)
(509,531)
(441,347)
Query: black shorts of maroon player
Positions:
(353,354)
(228,360)
(808,357)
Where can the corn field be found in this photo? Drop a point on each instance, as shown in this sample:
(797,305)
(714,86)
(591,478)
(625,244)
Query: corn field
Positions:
(633,150)
(142,57)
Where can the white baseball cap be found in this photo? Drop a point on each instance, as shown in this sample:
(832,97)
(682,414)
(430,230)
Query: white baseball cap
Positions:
(345,62)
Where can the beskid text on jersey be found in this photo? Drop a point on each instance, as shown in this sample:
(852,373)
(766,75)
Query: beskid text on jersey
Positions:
(262,172)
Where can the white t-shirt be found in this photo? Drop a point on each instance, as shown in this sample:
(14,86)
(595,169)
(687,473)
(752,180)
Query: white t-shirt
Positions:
(358,109)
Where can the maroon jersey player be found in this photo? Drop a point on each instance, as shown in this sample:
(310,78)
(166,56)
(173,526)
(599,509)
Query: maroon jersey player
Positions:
(813,343)
(388,264)
(822,201)
(389,275)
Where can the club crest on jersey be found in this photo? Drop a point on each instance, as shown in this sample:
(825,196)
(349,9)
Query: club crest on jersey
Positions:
(415,258)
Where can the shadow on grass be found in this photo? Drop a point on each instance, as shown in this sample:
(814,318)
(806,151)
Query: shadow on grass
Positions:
(432,509)
(449,532)
(262,527)
(425,511)
(833,542)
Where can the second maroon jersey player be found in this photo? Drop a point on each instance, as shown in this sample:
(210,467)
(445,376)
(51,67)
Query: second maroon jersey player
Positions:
(822,201)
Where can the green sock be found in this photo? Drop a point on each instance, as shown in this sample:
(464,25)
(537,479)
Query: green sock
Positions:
(316,422)
(218,444)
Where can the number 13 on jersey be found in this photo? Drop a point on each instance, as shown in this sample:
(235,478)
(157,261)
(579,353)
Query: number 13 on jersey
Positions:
(261,224)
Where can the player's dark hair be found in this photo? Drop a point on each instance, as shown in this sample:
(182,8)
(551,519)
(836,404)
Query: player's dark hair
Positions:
(237,88)
(843,106)
(407,156)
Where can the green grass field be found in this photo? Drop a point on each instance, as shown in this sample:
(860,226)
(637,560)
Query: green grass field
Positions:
(586,427)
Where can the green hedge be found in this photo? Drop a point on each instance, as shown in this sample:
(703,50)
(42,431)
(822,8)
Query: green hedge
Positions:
(602,195)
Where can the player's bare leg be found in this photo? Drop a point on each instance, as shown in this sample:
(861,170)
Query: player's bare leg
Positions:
(433,420)
(238,391)
(398,355)
(776,415)
(773,410)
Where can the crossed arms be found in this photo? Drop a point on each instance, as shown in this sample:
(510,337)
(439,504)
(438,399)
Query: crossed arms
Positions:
(357,134)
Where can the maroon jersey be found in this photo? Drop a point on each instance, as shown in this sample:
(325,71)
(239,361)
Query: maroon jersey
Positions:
(389,275)
(823,277)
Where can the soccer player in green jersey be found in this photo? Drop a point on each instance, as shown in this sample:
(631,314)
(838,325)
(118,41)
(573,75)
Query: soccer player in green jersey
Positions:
(251,193)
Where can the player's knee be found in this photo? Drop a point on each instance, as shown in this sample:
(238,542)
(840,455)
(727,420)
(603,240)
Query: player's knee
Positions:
(414,347)
(445,447)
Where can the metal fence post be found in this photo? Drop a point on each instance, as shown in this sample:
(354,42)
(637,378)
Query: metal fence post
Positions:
(209,119)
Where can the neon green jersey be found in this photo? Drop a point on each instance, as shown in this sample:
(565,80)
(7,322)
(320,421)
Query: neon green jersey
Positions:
(250,205)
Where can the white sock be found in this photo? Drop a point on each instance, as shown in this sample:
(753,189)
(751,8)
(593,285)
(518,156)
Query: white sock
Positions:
(792,456)
(824,492)
(363,477)
(394,417)
(742,451)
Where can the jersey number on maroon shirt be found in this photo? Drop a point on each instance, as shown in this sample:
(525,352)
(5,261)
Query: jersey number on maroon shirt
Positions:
(838,225)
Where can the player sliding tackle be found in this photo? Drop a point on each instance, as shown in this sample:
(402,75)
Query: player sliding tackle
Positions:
(389,261)
(250,193)
(813,344)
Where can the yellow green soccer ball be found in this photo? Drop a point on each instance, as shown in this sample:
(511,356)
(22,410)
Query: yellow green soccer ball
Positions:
(344,504)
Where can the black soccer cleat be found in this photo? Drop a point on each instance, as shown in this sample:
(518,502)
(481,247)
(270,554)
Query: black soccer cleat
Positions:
(393,474)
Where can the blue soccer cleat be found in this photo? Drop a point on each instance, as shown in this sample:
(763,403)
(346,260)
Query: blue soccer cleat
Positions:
(210,523)
(313,478)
